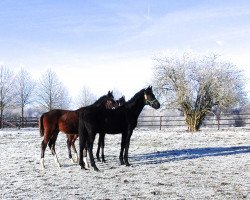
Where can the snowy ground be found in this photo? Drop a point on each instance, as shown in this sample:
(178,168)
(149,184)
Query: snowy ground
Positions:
(167,164)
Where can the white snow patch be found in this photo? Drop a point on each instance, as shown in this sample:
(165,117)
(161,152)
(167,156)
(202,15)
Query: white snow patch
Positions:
(166,164)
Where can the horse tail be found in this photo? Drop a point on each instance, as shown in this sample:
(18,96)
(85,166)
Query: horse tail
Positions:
(41,127)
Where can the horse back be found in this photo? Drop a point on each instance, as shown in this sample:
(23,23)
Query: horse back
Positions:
(50,119)
(68,122)
(110,121)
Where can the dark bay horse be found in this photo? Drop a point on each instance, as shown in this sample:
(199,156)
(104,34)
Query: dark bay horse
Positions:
(122,120)
(101,142)
(66,121)
(72,138)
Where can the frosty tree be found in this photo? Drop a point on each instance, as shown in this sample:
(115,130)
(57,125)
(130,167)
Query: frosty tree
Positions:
(24,86)
(86,97)
(51,93)
(6,89)
(195,84)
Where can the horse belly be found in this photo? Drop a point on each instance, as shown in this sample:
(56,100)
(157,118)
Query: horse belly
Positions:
(69,127)
(114,126)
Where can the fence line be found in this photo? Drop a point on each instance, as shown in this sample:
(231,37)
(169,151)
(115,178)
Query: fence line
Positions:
(19,122)
(223,120)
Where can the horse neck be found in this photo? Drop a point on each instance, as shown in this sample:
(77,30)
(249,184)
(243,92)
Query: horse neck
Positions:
(98,103)
(136,105)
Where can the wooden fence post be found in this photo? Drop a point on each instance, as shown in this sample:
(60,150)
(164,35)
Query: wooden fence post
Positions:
(160,122)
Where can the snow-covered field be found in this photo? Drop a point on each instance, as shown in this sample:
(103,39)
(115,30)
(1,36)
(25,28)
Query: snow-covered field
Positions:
(167,164)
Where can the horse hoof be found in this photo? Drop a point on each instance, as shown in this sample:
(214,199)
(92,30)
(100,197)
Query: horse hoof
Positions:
(42,167)
(84,167)
(122,162)
(96,169)
(73,161)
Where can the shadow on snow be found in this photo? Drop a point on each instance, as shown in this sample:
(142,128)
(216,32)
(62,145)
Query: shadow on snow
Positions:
(186,154)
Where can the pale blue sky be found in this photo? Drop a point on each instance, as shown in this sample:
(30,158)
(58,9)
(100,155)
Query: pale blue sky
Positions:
(110,44)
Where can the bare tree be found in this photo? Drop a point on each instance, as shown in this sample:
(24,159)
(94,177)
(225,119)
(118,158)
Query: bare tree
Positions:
(51,93)
(86,97)
(196,84)
(6,89)
(24,86)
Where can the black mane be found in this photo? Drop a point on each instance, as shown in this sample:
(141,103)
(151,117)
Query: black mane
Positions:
(136,96)
(101,99)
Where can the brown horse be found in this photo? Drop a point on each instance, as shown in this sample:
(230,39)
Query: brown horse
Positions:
(66,121)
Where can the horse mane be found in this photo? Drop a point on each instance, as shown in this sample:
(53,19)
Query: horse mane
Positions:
(138,95)
(99,101)
(102,98)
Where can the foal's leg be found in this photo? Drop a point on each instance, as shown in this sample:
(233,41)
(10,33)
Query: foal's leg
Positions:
(71,143)
(82,145)
(43,148)
(122,148)
(46,137)
(90,149)
(52,144)
(101,144)
(127,148)
(82,149)
(69,148)
(85,158)
(98,148)
(75,153)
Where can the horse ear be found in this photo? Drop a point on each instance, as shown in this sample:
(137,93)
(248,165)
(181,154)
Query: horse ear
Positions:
(109,93)
(149,88)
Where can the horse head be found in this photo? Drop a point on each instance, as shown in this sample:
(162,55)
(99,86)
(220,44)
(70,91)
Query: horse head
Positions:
(121,101)
(106,101)
(150,99)
(110,103)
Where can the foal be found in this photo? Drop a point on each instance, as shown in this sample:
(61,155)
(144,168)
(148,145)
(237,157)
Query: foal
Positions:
(123,119)
(101,142)
(65,121)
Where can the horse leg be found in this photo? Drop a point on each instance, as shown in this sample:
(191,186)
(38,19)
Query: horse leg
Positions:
(71,144)
(101,144)
(69,149)
(75,152)
(98,148)
(82,149)
(43,148)
(122,149)
(85,158)
(52,144)
(90,149)
(126,149)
